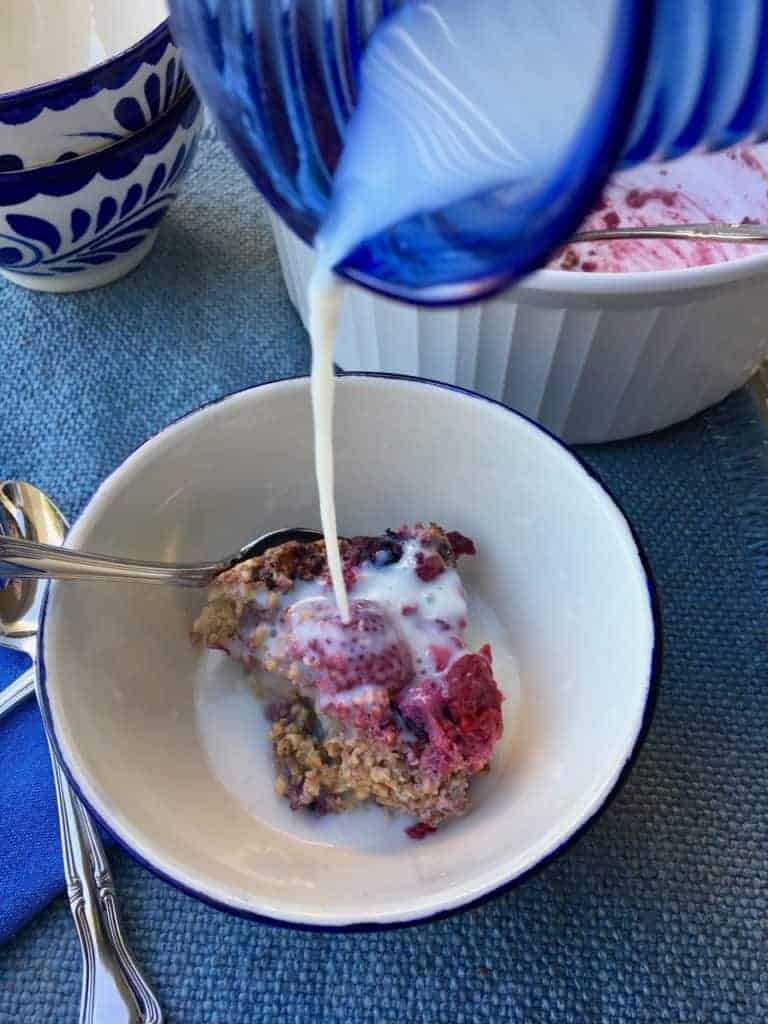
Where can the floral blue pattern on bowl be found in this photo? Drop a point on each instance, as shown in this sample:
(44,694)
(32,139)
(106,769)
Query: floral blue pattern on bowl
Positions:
(87,221)
(72,116)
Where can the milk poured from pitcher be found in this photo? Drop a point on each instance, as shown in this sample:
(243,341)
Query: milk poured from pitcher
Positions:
(455,97)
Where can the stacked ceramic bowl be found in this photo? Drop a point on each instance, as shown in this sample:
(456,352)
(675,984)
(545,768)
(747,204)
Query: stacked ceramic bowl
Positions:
(607,342)
(98,125)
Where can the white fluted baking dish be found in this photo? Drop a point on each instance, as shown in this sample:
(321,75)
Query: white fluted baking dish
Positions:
(592,357)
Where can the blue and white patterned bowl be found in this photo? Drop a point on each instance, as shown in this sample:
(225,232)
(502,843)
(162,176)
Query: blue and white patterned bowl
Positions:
(87,221)
(89,109)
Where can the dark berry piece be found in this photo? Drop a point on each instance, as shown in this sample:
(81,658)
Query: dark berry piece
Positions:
(461,545)
(380,551)
(420,830)
(402,534)
(386,552)
(428,569)
(405,724)
(570,260)
(636,198)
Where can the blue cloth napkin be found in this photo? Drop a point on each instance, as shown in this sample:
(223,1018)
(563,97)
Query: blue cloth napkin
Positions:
(30,858)
(656,916)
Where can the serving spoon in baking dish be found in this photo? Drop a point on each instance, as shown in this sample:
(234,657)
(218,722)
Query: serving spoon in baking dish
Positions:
(691,232)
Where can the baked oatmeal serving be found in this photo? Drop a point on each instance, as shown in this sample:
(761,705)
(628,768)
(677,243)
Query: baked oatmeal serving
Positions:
(390,706)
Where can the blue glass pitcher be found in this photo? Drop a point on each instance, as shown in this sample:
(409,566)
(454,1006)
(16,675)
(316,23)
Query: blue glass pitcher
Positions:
(281,77)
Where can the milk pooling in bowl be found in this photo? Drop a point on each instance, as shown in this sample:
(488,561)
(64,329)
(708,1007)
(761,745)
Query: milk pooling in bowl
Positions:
(455,98)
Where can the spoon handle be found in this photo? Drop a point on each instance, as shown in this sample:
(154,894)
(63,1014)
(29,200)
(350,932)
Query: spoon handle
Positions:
(704,232)
(25,559)
(17,692)
(113,989)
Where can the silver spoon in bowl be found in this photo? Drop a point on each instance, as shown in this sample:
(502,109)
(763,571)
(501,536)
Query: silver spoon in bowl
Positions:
(113,989)
(22,559)
(692,232)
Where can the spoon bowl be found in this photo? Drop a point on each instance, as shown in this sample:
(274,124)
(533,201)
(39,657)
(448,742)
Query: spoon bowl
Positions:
(26,512)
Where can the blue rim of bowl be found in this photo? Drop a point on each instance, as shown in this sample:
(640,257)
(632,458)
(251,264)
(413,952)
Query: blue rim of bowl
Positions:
(31,100)
(374,926)
(112,162)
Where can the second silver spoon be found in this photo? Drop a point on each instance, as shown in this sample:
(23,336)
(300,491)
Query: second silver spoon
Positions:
(693,232)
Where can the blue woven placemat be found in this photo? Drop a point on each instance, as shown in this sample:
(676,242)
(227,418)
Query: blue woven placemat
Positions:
(657,915)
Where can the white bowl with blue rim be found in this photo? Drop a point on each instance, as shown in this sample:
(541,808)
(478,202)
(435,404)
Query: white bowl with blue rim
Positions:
(81,74)
(85,222)
(167,743)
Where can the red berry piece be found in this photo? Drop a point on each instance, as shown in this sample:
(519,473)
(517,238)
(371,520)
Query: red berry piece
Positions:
(428,568)
(440,657)
(474,705)
(342,655)
(420,830)
(570,259)
(461,545)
